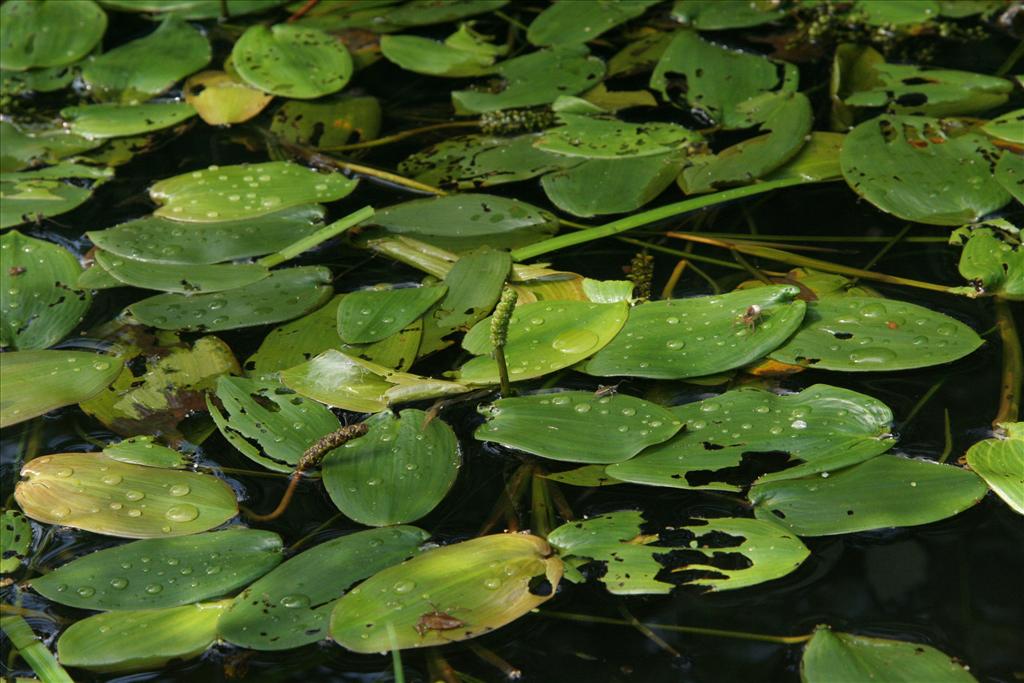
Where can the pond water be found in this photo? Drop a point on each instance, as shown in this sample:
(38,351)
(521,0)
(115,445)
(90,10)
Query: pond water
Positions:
(953,584)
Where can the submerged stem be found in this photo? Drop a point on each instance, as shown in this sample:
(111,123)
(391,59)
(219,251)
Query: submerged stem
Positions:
(319,237)
(402,135)
(741,635)
(1013,365)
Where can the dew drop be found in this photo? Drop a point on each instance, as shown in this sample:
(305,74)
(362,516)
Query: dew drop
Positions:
(182,513)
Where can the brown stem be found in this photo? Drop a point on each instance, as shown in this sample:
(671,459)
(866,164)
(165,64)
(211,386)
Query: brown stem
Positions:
(495,660)
(1013,366)
(301,12)
(513,491)
(401,135)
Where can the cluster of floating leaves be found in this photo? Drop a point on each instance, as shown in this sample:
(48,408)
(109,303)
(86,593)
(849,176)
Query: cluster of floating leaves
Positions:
(210,252)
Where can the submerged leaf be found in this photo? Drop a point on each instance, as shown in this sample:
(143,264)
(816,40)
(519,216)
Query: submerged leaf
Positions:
(36,382)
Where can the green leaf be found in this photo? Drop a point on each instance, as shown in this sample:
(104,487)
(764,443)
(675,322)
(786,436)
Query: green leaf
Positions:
(680,338)
(567,23)
(992,258)
(339,380)
(854,333)
(161,240)
(143,450)
(587,475)
(895,12)
(370,315)
(717,15)
(36,382)
(40,304)
(149,66)
(15,539)
(599,138)
(296,342)
(48,33)
(222,98)
(93,492)
(817,160)
(245,191)
(163,572)
(290,606)
(480,585)
(180,277)
(909,89)
(1009,127)
(1000,462)
(909,167)
(22,148)
(140,640)
(627,184)
(885,491)
(34,195)
(463,222)
(286,294)
(99,121)
(534,79)
(292,61)
(833,657)
(543,337)
(1009,173)
(577,426)
(786,123)
(270,416)
(328,123)
(398,472)
(715,80)
(194,9)
(433,58)
(819,429)
(438,12)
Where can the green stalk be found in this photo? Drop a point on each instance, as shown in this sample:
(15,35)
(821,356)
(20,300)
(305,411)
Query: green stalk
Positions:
(647,217)
(33,651)
(320,236)
(844,239)
(1013,366)
(543,513)
(499,335)
(741,635)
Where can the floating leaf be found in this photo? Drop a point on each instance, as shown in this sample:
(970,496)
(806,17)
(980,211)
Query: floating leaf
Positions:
(566,23)
(339,380)
(162,240)
(149,66)
(466,221)
(434,58)
(1009,173)
(717,15)
(992,257)
(885,491)
(909,89)
(397,351)
(140,640)
(1000,462)
(222,99)
(267,415)
(143,450)
(681,338)
(163,383)
(397,473)
(543,337)
(36,382)
(821,428)
(471,588)
(48,33)
(909,167)
(895,12)
(184,278)
(284,295)
(597,138)
(587,475)
(163,572)
(577,426)
(22,148)
(786,122)
(534,79)
(437,11)
(290,606)
(15,539)
(371,315)
(714,80)
(296,342)
(34,195)
(830,657)
(194,9)
(98,121)
(853,333)
(817,160)
(328,123)
(1009,127)
(292,61)
(245,191)
(93,492)
(40,303)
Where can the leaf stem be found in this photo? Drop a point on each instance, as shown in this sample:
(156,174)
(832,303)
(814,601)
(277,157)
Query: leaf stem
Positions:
(33,651)
(402,135)
(1013,365)
(740,635)
(320,236)
(948,432)
(647,217)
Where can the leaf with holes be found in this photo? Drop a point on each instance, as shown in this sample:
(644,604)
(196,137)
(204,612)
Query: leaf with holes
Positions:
(36,382)
(882,492)
(910,89)
(680,338)
(992,257)
(292,61)
(180,277)
(577,426)
(267,422)
(398,472)
(163,572)
(143,450)
(599,138)
(93,492)
(568,23)
(1009,127)
(1000,462)
(40,304)
(222,98)
(15,540)
(820,429)
(328,123)
(447,594)
(852,333)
